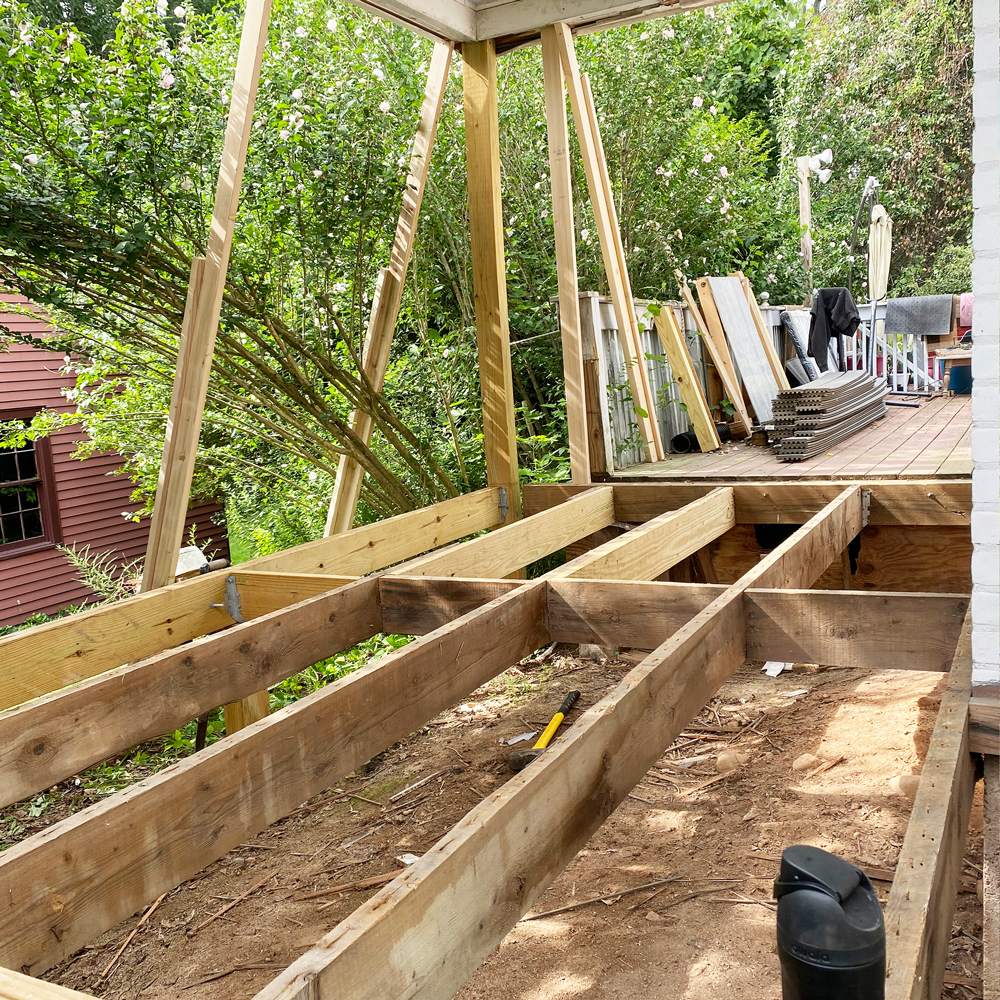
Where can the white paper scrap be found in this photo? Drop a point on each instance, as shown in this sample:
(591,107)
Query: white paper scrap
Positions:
(774,667)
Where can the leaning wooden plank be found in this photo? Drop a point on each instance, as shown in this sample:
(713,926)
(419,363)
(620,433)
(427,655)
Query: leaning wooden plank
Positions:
(609,238)
(560,172)
(766,341)
(919,502)
(375,546)
(922,901)
(426,932)
(514,546)
(201,313)
(81,876)
(672,341)
(389,290)
(718,349)
(17,986)
(652,548)
(57,736)
(489,274)
(744,343)
(51,656)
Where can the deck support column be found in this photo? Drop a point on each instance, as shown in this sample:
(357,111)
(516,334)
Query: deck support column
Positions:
(489,276)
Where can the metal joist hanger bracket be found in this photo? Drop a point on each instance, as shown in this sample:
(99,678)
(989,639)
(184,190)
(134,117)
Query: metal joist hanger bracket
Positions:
(231,601)
(866,503)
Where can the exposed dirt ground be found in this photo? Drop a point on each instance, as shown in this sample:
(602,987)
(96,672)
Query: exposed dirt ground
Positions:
(720,943)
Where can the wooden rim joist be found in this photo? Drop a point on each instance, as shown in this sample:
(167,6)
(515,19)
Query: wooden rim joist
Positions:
(62,887)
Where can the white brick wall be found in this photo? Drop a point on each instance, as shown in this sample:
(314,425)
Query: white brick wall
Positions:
(986,349)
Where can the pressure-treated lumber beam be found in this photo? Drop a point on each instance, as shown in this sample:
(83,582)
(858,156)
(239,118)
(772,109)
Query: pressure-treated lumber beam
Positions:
(984,724)
(489,869)
(766,340)
(514,546)
(922,900)
(201,314)
(389,288)
(17,986)
(489,276)
(893,501)
(560,174)
(991,877)
(48,657)
(57,736)
(81,876)
(609,237)
(651,549)
(674,347)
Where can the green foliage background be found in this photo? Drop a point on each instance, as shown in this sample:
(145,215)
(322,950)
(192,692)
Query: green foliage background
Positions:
(110,131)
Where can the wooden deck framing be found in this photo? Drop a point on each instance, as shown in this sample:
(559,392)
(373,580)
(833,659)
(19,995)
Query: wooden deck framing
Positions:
(81,876)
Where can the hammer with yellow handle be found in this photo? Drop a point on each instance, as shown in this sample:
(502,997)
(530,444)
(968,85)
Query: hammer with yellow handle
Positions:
(520,759)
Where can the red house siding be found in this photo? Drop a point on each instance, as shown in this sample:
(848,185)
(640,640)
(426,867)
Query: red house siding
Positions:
(89,496)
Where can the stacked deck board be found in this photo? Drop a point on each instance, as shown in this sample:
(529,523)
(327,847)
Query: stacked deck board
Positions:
(810,418)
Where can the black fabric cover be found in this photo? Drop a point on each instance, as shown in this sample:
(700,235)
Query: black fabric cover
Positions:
(834,314)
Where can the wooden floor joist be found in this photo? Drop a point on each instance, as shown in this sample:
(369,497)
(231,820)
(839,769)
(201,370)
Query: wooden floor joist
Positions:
(922,900)
(486,873)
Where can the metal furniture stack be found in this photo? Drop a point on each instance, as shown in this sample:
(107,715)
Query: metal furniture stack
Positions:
(811,417)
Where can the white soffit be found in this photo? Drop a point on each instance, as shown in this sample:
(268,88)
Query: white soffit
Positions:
(518,22)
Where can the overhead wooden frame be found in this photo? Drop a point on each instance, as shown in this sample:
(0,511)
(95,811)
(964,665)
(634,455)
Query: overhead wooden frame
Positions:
(488,871)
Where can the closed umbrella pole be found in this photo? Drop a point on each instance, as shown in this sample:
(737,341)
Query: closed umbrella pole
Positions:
(879,257)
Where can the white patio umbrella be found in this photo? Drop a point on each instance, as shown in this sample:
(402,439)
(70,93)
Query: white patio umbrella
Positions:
(879,253)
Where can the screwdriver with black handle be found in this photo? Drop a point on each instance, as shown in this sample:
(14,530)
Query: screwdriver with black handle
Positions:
(520,759)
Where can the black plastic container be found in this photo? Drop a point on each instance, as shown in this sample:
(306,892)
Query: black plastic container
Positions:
(831,937)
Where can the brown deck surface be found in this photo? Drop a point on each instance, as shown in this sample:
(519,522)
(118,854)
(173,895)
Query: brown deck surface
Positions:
(930,441)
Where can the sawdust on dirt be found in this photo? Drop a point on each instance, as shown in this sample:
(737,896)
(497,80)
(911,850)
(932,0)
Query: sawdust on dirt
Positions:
(708,933)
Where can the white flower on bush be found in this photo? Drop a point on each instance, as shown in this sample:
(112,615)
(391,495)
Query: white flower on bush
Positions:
(300,187)
(161,6)
(723,171)
(285,46)
(317,174)
(772,278)
(378,74)
(714,110)
(339,287)
(669,33)
(697,102)
(545,213)
(186,184)
(585,235)
(184,49)
(31,159)
(660,171)
(180,12)
(384,107)
(284,134)
(167,80)
(707,158)
(729,29)
(724,207)
(331,25)
(296,94)
(301,32)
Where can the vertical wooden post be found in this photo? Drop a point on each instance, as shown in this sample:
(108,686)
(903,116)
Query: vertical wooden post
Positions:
(389,289)
(482,144)
(569,293)
(805,217)
(610,239)
(201,315)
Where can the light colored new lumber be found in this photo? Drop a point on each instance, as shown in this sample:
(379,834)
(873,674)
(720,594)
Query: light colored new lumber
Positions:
(922,901)
(610,239)
(59,735)
(50,656)
(514,546)
(894,502)
(201,314)
(766,341)
(426,932)
(17,986)
(389,288)
(489,276)
(375,546)
(674,347)
(652,548)
(560,174)
(74,880)
(718,348)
